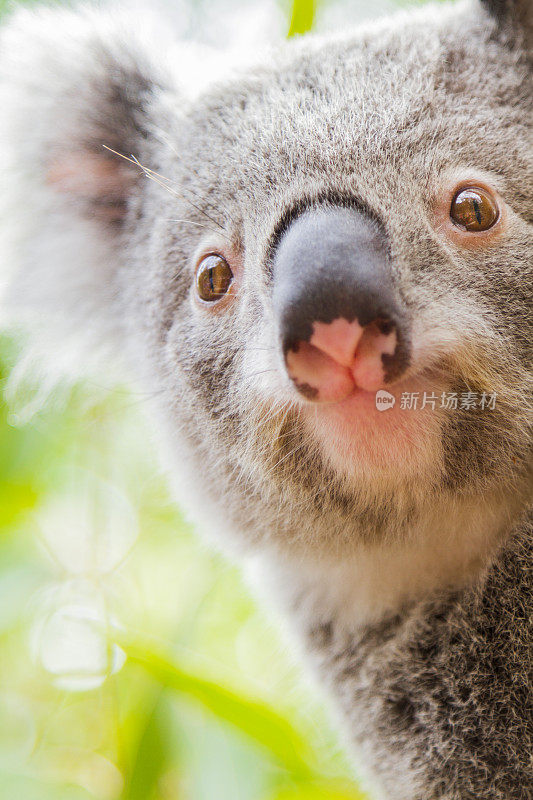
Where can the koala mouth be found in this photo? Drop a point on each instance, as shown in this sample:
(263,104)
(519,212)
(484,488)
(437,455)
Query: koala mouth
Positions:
(394,431)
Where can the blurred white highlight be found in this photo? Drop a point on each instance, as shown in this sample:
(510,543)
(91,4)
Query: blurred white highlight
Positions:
(70,637)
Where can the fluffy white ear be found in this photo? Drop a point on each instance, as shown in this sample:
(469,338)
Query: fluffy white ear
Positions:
(71,84)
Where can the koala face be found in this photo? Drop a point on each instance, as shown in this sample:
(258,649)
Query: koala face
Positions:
(355,217)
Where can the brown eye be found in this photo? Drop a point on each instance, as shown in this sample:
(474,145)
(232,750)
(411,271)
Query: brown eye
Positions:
(474,210)
(213,278)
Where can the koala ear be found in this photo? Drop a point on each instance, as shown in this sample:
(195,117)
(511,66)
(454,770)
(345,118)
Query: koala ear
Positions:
(71,85)
(515,18)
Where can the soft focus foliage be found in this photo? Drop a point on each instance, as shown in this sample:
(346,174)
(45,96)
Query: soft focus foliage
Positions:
(122,639)
(93,559)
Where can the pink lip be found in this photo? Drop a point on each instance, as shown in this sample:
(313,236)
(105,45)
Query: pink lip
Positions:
(354,434)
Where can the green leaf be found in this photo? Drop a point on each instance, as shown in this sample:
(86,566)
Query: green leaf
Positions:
(151,756)
(251,716)
(255,718)
(302,16)
(15,500)
(320,790)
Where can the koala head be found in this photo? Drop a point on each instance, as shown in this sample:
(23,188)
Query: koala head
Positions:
(354,215)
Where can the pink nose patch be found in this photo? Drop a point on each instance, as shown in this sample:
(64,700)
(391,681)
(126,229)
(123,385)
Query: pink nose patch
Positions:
(340,357)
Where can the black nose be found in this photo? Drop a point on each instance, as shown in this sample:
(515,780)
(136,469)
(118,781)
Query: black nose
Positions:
(333,264)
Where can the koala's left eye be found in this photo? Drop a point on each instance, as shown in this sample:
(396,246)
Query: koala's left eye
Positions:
(474,209)
(213,278)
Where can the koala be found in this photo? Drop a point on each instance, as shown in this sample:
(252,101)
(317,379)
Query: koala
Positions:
(320,266)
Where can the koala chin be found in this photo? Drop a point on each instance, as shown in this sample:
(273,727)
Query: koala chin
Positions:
(345,224)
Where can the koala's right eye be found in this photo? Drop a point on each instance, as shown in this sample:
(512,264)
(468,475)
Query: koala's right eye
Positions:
(474,210)
(213,278)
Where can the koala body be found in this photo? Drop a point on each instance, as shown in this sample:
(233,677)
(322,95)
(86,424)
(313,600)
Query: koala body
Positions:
(353,215)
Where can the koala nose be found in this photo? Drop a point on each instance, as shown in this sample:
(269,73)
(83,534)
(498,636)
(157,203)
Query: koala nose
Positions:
(341,322)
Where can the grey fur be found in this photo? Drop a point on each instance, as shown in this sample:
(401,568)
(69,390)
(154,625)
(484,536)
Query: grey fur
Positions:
(446,685)
(411,585)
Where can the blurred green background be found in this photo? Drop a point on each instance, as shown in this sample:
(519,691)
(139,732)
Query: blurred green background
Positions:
(133,662)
